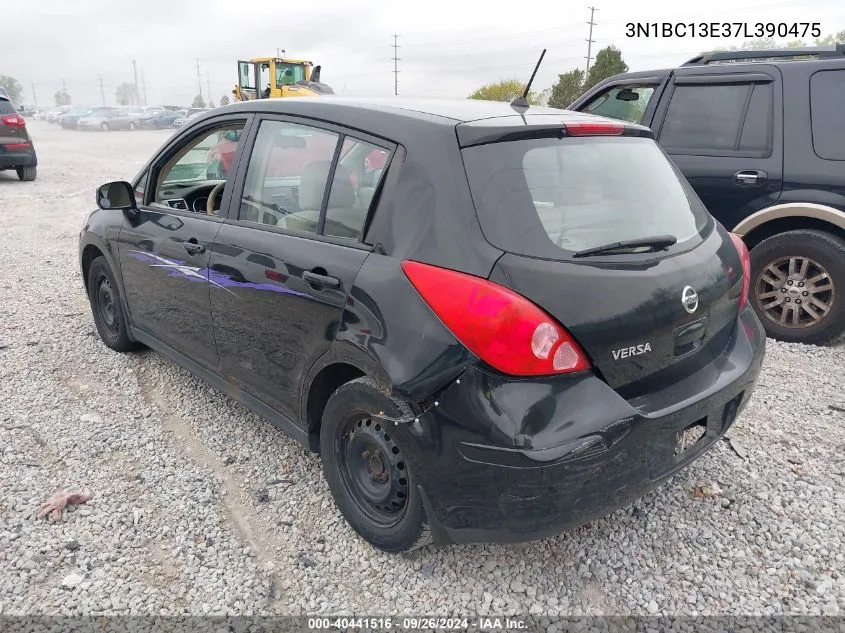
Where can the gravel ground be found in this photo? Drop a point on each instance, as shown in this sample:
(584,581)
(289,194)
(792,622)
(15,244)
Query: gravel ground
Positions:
(198,506)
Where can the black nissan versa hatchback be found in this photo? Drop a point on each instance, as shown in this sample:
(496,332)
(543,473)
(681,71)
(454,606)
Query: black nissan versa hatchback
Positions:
(492,323)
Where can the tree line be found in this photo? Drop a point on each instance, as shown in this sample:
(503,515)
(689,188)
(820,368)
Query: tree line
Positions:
(608,62)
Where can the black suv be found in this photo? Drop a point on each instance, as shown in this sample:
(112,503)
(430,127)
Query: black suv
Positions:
(496,323)
(760,135)
(16,149)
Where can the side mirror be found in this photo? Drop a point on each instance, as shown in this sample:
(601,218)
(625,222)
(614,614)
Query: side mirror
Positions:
(116,195)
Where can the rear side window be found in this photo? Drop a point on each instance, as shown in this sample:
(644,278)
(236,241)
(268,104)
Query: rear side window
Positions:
(719,119)
(550,198)
(6,107)
(827,96)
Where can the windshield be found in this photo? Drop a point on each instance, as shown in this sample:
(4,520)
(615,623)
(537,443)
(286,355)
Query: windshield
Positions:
(551,198)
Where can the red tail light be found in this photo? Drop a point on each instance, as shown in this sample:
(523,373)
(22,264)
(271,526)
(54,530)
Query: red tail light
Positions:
(594,128)
(14,120)
(502,328)
(14,146)
(745,258)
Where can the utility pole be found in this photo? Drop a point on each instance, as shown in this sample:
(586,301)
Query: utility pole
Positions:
(135,74)
(590,40)
(102,92)
(208,83)
(199,78)
(144,86)
(395,59)
(34,98)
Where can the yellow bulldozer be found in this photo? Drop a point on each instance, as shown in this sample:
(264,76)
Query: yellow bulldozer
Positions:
(269,77)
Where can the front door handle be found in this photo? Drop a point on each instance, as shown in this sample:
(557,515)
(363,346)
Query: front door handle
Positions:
(193,247)
(323,281)
(750,177)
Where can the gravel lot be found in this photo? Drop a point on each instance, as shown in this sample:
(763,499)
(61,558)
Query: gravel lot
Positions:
(198,506)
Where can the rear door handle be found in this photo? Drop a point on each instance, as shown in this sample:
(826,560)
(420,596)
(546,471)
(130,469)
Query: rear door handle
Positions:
(750,177)
(193,247)
(323,281)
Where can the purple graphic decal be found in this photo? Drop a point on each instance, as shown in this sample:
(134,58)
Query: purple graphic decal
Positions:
(178,268)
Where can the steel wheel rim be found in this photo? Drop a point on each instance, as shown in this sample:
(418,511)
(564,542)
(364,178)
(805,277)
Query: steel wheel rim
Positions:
(107,306)
(795,292)
(372,469)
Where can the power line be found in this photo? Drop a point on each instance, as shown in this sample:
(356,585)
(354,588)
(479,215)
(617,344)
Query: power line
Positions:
(135,85)
(590,40)
(199,78)
(395,59)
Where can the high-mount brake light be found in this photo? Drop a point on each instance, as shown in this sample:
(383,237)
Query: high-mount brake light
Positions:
(745,258)
(501,327)
(594,128)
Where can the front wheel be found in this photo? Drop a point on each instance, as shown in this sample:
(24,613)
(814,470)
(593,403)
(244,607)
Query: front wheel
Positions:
(798,286)
(366,467)
(107,308)
(104,127)
(132,126)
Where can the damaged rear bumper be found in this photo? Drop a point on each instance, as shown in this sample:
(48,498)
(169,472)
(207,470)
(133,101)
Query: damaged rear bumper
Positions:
(507,460)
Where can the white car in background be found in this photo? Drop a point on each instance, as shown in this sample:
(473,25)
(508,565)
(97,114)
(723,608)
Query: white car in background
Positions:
(192,112)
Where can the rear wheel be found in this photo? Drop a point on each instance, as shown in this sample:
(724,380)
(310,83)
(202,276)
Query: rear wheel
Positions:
(798,286)
(367,470)
(27,172)
(106,307)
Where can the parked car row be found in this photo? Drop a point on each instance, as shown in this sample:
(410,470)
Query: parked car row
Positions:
(117,117)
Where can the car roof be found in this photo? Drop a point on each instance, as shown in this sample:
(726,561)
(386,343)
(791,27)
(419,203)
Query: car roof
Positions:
(449,111)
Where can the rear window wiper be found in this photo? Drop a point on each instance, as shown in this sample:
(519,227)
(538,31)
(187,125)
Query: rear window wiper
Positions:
(654,243)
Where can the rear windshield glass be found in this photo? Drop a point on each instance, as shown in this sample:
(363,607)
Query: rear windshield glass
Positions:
(6,107)
(553,197)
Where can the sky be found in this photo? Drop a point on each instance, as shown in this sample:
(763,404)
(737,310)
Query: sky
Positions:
(447,48)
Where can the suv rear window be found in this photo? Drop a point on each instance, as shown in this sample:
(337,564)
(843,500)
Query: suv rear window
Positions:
(550,197)
(827,93)
(6,107)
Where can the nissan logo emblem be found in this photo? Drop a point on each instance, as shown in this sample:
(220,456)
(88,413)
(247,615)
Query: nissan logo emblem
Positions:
(689,299)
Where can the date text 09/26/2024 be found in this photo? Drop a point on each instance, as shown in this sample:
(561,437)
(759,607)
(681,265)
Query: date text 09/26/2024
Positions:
(723,29)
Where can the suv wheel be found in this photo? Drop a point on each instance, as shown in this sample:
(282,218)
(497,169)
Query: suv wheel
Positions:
(27,172)
(106,307)
(798,286)
(365,466)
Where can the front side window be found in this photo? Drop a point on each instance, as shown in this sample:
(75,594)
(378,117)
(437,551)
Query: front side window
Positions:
(625,103)
(190,174)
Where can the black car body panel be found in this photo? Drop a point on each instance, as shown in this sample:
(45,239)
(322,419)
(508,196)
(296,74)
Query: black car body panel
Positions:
(537,457)
(264,313)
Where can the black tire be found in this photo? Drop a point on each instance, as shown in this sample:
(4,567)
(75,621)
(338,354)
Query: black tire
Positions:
(346,428)
(27,173)
(104,127)
(132,126)
(109,317)
(826,251)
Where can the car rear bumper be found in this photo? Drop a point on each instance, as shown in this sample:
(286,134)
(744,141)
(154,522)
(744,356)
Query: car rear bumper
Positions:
(504,460)
(17,158)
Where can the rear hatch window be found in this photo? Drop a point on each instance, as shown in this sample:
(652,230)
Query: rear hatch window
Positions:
(554,197)
(6,107)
